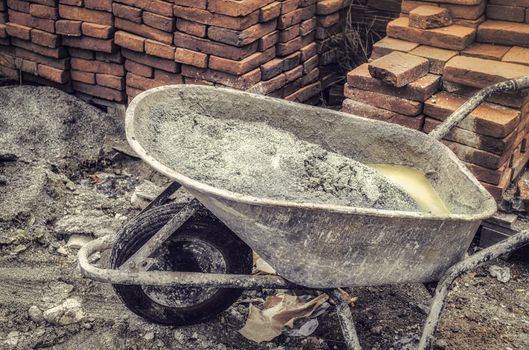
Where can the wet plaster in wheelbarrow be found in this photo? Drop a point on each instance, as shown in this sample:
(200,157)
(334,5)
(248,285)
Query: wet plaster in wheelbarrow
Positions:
(256,159)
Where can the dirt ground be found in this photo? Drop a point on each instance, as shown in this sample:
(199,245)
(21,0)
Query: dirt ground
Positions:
(38,272)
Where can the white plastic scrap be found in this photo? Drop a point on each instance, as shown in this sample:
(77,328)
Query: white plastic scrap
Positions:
(279,312)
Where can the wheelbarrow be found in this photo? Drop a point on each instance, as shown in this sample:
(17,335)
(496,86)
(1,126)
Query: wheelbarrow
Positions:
(179,264)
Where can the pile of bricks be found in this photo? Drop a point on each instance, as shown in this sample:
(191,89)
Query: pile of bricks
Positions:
(145,32)
(433,59)
(331,18)
(39,53)
(7,53)
(87,29)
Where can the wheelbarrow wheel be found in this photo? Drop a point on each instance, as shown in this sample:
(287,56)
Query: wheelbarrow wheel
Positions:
(202,244)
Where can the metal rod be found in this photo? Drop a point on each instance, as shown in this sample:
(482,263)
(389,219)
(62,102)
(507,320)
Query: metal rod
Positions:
(441,292)
(470,105)
(169,278)
(162,197)
(138,260)
(345,317)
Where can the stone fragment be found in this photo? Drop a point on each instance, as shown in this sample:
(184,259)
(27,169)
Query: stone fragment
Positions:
(429,17)
(399,69)
(69,312)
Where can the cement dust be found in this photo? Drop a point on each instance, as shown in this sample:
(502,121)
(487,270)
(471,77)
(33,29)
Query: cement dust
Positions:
(416,185)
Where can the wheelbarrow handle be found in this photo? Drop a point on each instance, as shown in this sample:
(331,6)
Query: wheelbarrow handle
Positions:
(462,112)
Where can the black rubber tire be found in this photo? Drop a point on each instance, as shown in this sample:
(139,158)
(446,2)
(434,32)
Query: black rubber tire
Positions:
(203,226)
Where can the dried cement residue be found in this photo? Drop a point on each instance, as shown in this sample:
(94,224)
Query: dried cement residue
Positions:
(256,159)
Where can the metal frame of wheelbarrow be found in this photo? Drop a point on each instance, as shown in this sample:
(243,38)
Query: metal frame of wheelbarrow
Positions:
(135,270)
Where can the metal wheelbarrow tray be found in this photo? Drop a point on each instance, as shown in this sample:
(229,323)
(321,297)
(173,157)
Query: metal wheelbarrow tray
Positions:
(319,245)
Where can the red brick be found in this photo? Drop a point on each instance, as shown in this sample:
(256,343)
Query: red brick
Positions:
(47,25)
(57,75)
(215,19)
(142,83)
(81,53)
(310,77)
(82,14)
(428,17)
(289,6)
(270,12)
(236,8)
(436,56)
(88,43)
(268,40)
(453,37)
(329,20)
(139,69)
(310,64)
(130,41)
(62,63)
(45,39)
(159,7)
(111,57)
(504,33)
(243,37)
(20,18)
(156,62)
(83,77)
(399,69)
(110,81)
(291,61)
(242,82)
(419,90)
(285,49)
(97,67)
(192,28)
(26,66)
(102,5)
(159,50)
(517,55)
(465,11)
(127,12)
(167,78)
(480,73)
(325,7)
(506,13)
(72,2)
(295,17)
(271,68)
(240,67)
(18,5)
(488,119)
(289,33)
(42,11)
(487,51)
(268,86)
(154,20)
(144,30)
(391,103)
(192,58)
(99,91)
(307,26)
(308,52)
(18,31)
(97,30)
(213,48)
(68,28)
(199,4)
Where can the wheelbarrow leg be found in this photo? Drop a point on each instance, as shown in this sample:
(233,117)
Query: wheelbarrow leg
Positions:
(470,263)
(345,318)
(162,197)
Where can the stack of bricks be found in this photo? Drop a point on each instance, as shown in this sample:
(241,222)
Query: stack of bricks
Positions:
(463,57)
(87,29)
(296,54)
(144,31)
(39,53)
(331,18)
(7,53)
